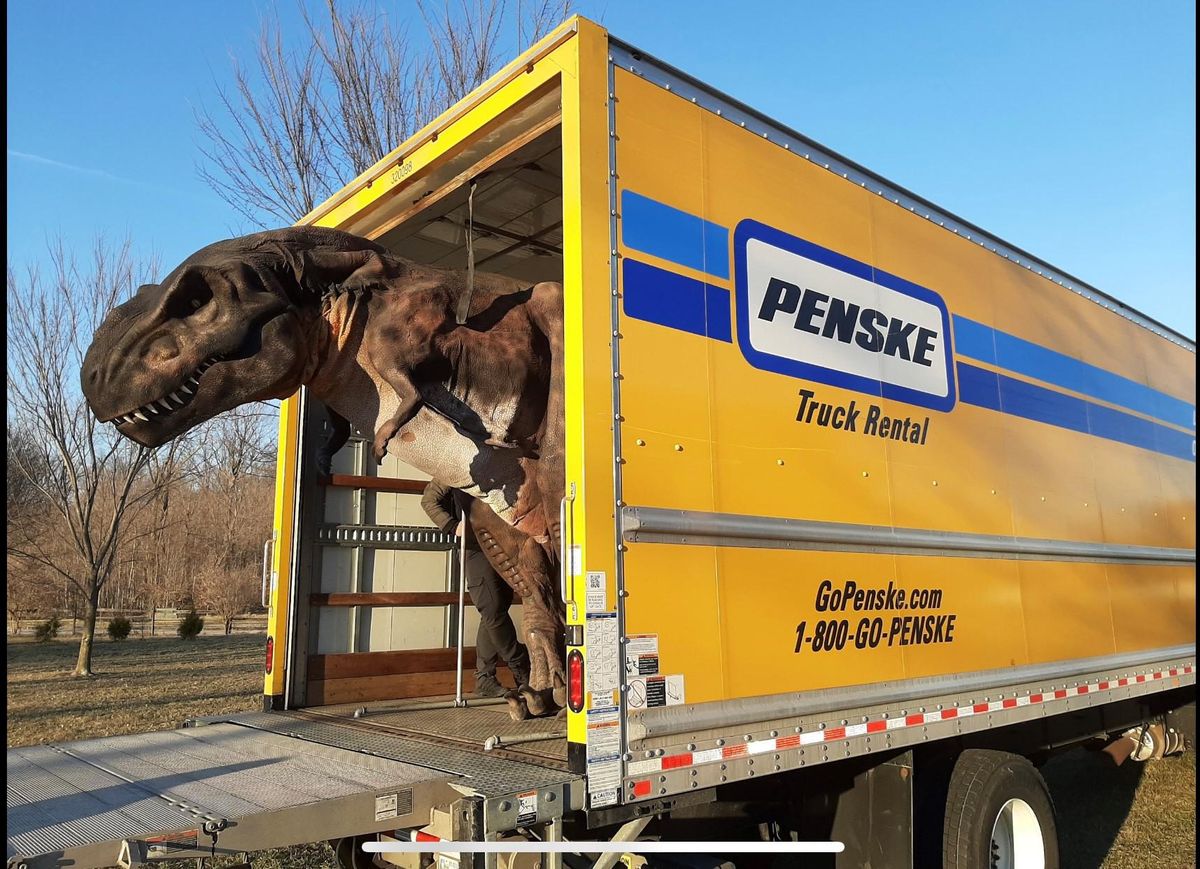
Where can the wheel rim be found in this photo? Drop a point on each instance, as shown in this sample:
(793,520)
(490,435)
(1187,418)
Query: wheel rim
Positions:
(1017,838)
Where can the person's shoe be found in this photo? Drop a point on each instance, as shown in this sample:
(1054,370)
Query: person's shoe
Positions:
(487,686)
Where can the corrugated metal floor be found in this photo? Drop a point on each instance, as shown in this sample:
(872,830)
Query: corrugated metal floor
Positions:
(469,726)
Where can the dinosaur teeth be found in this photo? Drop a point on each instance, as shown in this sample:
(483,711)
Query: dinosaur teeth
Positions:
(162,402)
(141,416)
(186,388)
(177,398)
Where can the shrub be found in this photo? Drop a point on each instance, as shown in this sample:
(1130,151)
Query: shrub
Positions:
(47,630)
(119,628)
(190,625)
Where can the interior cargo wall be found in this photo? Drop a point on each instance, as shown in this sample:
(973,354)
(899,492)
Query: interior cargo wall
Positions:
(510,214)
(1005,406)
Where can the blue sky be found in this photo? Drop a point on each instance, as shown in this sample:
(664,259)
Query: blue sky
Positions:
(1067,128)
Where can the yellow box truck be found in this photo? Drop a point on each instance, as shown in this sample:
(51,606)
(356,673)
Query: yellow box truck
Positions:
(863,503)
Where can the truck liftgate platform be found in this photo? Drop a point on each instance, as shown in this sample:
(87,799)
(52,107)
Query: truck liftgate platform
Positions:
(239,783)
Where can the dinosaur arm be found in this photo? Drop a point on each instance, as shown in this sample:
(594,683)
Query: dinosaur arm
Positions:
(409,404)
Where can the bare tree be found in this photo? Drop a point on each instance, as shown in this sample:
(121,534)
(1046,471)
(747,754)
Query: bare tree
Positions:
(230,514)
(300,122)
(89,478)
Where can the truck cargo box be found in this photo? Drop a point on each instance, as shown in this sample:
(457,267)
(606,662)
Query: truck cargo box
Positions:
(845,473)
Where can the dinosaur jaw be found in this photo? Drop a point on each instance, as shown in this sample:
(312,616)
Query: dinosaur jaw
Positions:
(157,421)
(265,365)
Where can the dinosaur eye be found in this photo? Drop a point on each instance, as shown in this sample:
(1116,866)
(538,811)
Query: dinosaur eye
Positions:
(196,304)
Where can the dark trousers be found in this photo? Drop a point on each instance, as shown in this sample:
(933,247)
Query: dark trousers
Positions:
(497,639)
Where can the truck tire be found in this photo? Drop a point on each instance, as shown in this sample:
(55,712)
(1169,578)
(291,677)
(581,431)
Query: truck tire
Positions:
(998,814)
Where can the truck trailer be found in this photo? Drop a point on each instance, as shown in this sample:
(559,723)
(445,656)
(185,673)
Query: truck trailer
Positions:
(868,513)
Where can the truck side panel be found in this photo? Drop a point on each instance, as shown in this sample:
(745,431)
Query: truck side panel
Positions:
(989,403)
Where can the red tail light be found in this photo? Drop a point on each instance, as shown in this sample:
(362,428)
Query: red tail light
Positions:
(575,680)
(270,653)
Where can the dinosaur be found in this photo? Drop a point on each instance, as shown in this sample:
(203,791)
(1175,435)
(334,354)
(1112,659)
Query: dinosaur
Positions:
(476,405)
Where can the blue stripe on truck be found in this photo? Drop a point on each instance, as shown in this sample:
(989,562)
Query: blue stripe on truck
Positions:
(662,297)
(1033,360)
(659,296)
(658,229)
(1006,394)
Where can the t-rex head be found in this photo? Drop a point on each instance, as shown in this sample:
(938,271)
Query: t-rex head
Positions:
(226,327)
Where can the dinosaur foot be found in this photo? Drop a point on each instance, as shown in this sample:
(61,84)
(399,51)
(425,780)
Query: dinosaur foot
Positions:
(527,703)
(518,708)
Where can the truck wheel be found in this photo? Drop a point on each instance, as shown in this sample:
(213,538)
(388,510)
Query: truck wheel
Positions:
(998,814)
(349,853)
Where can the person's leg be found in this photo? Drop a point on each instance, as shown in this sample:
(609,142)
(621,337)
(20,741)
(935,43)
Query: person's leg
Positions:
(482,596)
(492,598)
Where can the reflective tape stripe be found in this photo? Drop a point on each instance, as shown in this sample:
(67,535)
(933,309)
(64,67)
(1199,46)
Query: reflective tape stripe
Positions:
(885,722)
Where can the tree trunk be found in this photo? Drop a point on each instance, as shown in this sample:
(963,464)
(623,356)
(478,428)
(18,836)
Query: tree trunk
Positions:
(228,625)
(83,666)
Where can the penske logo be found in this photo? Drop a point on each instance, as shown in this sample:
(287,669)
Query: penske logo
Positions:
(811,313)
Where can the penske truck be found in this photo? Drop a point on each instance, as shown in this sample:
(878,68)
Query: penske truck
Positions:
(868,513)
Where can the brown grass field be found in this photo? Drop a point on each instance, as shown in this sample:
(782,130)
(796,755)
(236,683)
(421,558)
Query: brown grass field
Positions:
(1128,817)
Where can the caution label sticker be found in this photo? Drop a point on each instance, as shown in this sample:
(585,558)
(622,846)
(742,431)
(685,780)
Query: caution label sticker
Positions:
(603,675)
(649,692)
(603,756)
(527,808)
(641,655)
(386,806)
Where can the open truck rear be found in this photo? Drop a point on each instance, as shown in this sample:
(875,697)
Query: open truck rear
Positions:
(860,497)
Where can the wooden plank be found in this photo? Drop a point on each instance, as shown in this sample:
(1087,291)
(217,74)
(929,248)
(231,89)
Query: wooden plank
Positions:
(393,598)
(377,484)
(387,598)
(352,664)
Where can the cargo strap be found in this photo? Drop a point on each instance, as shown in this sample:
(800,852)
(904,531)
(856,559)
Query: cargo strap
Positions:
(464,301)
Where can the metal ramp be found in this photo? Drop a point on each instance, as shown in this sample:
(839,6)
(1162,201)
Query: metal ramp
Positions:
(245,783)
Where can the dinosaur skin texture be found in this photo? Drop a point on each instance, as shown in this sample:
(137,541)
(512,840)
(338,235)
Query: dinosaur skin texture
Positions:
(478,406)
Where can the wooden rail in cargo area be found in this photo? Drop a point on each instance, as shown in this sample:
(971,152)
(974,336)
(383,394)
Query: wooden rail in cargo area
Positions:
(355,677)
(393,598)
(376,484)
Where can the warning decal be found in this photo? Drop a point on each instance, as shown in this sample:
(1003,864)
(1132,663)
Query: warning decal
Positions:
(649,692)
(603,756)
(641,655)
(527,808)
(386,806)
(603,665)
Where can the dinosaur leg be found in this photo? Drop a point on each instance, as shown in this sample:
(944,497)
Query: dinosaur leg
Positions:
(523,564)
(542,621)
